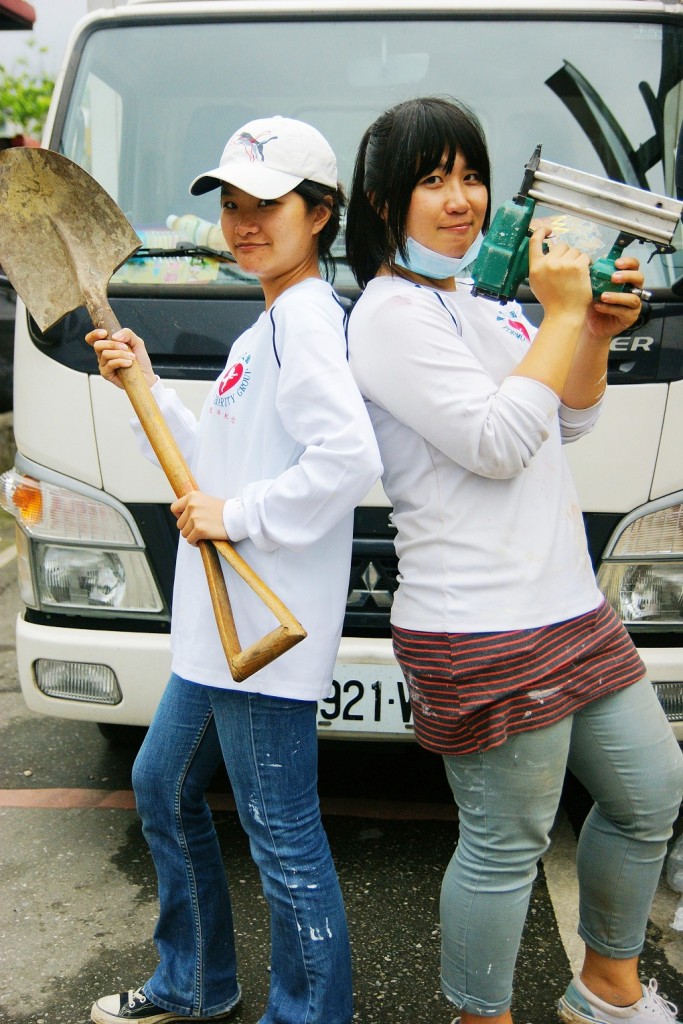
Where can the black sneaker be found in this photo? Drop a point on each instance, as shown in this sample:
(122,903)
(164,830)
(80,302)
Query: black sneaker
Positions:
(134,1006)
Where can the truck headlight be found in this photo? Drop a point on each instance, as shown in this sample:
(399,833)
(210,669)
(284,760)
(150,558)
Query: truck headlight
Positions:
(77,554)
(94,578)
(641,573)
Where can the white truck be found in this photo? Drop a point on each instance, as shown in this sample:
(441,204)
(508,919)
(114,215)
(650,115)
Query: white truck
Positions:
(146,96)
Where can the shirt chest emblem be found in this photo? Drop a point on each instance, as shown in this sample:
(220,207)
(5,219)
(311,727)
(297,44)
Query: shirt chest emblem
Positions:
(232,376)
(511,322)
(233,382)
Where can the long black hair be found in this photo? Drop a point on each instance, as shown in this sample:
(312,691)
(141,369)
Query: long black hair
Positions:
(402,146)
(333,200)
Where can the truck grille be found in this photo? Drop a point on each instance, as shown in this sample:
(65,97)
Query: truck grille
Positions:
(372,580)
(671,698)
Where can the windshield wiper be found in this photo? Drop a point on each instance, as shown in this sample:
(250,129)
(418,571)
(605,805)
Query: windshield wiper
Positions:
(182,249)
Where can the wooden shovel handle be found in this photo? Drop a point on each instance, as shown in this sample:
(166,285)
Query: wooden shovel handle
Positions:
(242,664)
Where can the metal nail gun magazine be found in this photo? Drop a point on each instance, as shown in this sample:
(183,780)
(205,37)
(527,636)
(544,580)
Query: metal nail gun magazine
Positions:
(637,215)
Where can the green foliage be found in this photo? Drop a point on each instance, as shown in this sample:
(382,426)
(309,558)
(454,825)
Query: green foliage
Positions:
(24,98)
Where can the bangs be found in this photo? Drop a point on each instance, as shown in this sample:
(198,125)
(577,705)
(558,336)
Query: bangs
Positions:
(439,133)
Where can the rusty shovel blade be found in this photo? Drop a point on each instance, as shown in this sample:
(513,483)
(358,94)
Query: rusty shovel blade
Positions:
(61,239)
(61,235)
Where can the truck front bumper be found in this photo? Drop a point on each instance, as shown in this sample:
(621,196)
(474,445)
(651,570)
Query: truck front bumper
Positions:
(117,677)
(368,699)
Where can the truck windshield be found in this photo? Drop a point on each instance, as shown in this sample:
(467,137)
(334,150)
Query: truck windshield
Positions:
(153,104)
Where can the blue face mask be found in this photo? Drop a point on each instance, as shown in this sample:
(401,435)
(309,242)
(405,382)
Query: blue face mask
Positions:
(427,263)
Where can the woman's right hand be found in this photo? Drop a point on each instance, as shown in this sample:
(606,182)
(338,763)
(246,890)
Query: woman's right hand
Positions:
(560,280)
(559,275)
(119,352)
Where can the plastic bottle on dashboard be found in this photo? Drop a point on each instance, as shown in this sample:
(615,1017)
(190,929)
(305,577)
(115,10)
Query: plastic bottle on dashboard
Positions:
(190,228)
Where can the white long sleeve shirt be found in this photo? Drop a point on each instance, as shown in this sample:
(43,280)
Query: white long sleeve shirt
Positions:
(284,436)
(490,531)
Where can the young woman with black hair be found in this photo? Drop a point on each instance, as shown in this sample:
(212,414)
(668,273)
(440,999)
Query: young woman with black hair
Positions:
(282,452)
(517,667)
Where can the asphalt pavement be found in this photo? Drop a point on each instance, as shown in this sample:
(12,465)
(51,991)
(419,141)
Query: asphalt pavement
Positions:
(78,897)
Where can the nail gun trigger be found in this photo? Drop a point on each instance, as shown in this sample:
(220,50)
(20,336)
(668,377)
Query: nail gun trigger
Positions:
(661,249)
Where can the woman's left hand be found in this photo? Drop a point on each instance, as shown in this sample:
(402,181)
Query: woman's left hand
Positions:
(199,517)
(615,312)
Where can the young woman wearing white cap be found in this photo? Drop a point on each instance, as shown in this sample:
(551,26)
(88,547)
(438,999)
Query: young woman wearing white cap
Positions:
(283,451)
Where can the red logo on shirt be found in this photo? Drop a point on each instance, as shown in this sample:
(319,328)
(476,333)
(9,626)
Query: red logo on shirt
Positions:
(511,321)
(230,378)
(520,328)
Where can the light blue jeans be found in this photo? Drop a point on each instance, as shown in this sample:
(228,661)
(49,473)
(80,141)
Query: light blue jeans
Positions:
(623,750)
(269,746)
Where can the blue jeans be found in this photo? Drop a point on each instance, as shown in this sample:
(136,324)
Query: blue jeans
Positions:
(269,747)
(623,750)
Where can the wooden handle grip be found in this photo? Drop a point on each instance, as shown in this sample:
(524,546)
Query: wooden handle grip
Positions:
(242,664)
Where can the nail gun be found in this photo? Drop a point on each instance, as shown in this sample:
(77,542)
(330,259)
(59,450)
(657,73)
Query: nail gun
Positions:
(503,261)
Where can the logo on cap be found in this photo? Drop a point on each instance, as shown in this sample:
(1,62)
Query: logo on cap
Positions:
(253,146)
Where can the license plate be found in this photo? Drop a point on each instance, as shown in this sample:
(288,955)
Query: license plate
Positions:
(367,699)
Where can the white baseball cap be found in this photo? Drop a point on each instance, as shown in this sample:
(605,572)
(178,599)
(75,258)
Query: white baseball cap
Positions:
(269,157)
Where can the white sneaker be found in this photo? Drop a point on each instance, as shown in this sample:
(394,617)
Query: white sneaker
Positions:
(580,1006)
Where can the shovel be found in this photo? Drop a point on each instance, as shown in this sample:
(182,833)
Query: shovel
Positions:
(61,239)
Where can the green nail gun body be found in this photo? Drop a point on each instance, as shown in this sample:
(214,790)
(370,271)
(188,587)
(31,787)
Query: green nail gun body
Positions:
(503,261)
